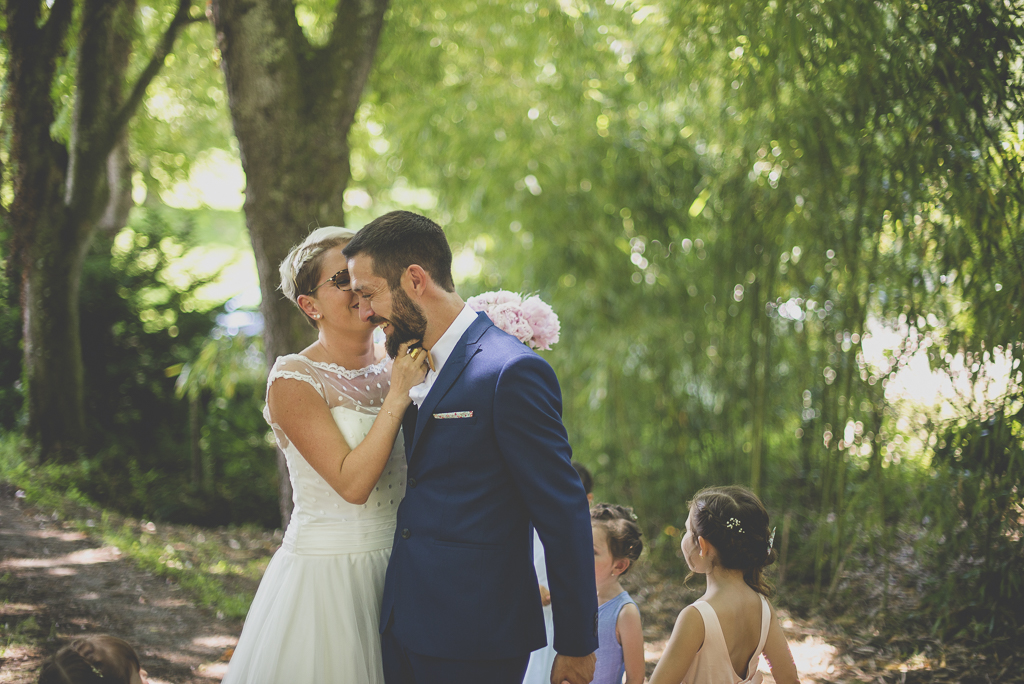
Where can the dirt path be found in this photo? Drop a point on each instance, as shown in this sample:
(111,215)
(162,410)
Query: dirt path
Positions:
(57,584)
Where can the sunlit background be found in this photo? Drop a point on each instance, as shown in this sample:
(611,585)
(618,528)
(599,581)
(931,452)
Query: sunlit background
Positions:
(783,239)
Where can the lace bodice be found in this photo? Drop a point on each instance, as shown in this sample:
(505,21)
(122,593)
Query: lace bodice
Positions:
(361,390)
(322,521)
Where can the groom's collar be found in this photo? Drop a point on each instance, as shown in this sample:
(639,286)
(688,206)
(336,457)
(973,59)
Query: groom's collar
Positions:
(444,346)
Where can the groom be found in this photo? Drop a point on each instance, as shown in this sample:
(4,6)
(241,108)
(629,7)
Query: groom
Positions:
(488,456)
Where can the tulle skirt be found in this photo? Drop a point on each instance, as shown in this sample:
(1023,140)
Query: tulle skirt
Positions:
(314,620)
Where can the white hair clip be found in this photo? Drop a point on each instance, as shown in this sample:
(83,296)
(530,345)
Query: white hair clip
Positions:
(734,524)
(771,540)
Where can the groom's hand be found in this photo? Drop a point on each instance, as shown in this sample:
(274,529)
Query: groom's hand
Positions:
(571,670)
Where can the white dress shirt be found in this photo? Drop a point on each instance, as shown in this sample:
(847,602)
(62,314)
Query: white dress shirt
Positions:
(440,352)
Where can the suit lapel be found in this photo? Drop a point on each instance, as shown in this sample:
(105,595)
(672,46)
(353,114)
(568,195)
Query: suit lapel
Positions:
(409,428)
(466,349)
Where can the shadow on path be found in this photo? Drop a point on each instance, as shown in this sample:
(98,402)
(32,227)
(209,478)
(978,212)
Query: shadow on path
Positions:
(57,584)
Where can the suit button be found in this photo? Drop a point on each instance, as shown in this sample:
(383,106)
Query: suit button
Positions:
(412,482)
(406,533)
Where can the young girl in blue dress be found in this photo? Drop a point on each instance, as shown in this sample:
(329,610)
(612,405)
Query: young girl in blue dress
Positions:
(617,545)
(718,639)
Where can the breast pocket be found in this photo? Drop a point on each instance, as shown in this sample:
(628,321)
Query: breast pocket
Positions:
(454,418)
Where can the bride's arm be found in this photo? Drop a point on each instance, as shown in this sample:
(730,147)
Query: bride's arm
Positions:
(306,420)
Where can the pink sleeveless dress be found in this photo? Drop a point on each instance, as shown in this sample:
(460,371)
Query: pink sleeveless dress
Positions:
(712,664)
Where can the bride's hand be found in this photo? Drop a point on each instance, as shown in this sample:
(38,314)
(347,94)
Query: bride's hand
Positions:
(409,369)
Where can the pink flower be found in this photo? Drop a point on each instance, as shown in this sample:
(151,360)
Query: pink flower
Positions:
(544,322)
(486,301)
(531,321)
(510,318)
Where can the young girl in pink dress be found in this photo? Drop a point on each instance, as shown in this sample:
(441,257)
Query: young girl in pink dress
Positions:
(718,638)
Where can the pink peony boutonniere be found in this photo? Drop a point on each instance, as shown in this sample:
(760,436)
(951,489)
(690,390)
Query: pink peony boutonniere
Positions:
(530,320)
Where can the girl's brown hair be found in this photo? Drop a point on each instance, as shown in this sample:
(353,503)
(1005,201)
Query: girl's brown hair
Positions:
(619,524)
(735,521)
(101,659)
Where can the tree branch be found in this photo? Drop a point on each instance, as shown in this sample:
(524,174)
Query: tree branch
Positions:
(344,34)
(350,51)
(163,48)
(56,26)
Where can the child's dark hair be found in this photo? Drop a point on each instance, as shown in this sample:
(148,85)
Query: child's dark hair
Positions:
(100,659)
(735,521)
(619,523)
(585,477)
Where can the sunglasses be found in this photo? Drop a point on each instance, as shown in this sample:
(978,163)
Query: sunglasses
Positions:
(339,279)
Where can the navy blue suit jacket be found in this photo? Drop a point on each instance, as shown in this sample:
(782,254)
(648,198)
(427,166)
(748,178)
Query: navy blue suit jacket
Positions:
(461,583)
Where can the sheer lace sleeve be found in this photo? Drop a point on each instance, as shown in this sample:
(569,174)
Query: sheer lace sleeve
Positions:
(291,367)
(296,367)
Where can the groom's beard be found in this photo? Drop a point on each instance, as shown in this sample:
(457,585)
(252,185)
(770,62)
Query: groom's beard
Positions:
(407,322)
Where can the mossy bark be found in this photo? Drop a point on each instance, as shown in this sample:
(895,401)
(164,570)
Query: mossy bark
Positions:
(62,193)
(292,105)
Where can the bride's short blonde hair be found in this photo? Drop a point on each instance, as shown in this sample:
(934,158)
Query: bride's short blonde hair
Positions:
(301,268)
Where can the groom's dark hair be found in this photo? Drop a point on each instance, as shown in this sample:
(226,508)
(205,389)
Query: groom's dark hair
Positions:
(399,239)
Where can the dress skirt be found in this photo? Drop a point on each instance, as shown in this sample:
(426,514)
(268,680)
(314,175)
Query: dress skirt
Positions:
(315,617)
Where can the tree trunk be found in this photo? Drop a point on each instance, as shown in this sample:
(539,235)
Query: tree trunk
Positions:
(195,427)
(63,194)
(39,227)
(53,357)
(292,105)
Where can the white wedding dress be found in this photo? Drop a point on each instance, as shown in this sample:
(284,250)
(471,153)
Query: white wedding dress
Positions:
(315,616)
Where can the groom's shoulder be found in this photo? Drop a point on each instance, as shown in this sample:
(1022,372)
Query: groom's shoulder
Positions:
(499,341)
(507,355)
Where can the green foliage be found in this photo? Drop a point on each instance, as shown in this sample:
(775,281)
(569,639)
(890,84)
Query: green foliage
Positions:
(140,326)
(224,362)
(731,207)
(752,219)
(20,632)
(979,515)
(50,486)
(185,115)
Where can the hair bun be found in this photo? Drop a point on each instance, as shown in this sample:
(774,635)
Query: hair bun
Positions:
(735,522)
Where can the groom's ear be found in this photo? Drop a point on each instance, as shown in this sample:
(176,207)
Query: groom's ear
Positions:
(415,280)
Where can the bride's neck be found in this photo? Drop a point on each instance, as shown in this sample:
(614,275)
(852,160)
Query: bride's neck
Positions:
(349,351)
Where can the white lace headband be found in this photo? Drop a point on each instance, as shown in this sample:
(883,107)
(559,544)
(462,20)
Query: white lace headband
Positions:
(305,251)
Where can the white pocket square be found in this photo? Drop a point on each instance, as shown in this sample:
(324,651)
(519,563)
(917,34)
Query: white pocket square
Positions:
(453,414)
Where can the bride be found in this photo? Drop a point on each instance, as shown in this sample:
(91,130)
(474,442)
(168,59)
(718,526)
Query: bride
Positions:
(315,615)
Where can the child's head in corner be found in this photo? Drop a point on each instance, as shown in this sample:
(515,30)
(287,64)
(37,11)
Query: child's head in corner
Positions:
(586,478)
(100,659)
(617,542)
(728,526)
